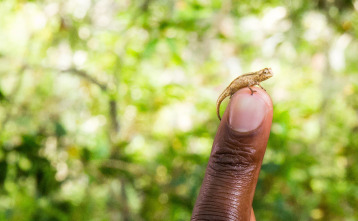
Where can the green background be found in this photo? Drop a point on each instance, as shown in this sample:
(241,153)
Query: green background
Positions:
(107,108)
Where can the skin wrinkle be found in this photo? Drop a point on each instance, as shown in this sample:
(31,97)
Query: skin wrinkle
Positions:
(228,206)
(230,216)
(232,195)
(230,192)
(212,200)
(230,159)
(229,209)
(229,155)
(245,149)
(226,184)
(216,210)
(232,171)
(234,199)
(215,217)
(226,196)
(227,217)
(246,152)
(235,191)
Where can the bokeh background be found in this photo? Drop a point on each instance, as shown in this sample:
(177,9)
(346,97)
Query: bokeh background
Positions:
(107,107)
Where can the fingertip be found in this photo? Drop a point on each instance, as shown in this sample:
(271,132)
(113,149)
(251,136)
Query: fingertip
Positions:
(260,93)
(247,111)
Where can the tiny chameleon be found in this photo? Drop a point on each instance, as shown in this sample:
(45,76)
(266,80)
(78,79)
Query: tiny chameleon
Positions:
(245,80)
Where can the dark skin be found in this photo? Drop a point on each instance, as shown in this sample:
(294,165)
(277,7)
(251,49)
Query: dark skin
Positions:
(239,146)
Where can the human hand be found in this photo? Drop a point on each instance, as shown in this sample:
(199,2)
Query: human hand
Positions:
(236,157)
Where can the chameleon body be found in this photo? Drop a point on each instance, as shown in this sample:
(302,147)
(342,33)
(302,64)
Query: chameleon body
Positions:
(245,80)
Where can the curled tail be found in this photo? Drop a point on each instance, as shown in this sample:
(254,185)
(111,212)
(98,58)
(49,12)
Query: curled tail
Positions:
(222,97)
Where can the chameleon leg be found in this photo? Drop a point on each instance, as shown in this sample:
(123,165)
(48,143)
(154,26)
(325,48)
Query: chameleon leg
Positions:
(252,91)
(261,86)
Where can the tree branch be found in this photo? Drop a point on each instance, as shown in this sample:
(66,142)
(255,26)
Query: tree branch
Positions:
(87,77)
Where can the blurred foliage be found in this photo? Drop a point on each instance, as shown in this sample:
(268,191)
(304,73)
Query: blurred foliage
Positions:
(107,108)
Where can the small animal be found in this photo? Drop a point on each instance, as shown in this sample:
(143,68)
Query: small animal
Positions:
(245,80)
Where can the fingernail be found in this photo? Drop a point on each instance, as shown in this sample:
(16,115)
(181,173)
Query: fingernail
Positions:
(246,111)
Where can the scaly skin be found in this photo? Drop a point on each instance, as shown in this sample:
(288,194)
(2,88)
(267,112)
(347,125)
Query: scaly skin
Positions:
(245,80)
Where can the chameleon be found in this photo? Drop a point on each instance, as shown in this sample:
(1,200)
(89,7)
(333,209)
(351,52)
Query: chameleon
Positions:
(245,80)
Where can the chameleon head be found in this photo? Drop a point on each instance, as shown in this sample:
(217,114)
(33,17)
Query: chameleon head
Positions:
(265,74)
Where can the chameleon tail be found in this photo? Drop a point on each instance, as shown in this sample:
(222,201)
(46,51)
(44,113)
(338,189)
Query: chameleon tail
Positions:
(223,95)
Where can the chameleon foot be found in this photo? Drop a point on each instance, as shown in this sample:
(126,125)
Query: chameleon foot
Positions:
(252,91)
(261,86)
